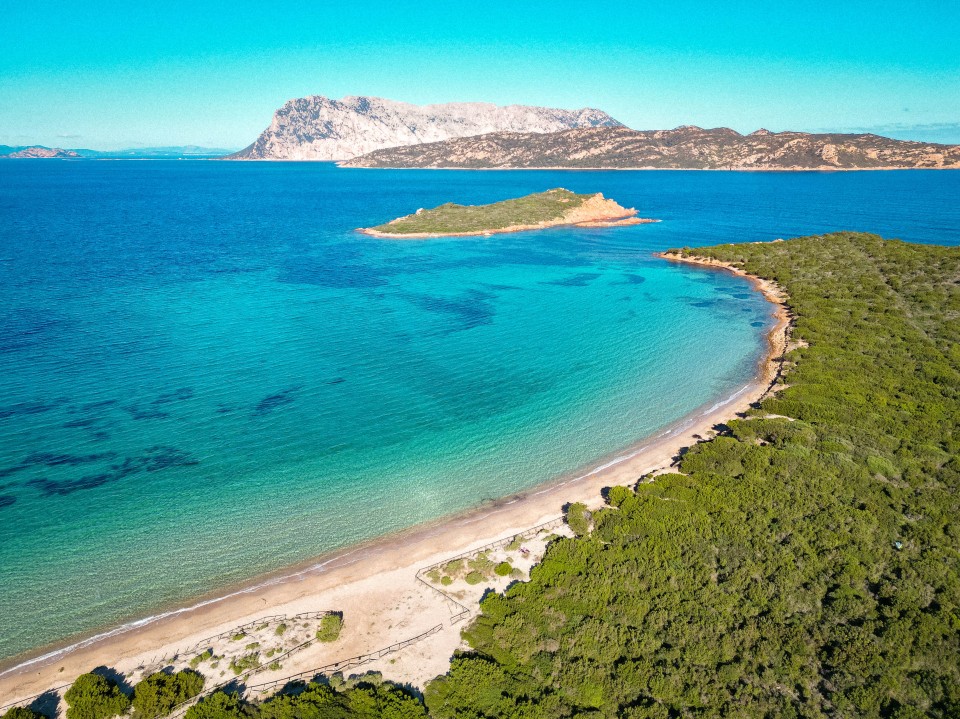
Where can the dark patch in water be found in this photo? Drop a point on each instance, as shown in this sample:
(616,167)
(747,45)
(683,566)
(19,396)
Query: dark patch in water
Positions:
(138,414)
(743,295)
(6,500)
(51,459)
(472,309)
(27,408)
(103,404)
(178,395)
(581,280)
(153,459)
(631,279)
(757,324)
(273,401)
(101,436)
(626,298)
(502,288)
(8,471)
(338,380)
(704,303)
(51,488)
(225,409)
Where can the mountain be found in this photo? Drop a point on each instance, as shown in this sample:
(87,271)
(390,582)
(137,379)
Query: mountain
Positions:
(318,128)
(34,152)
(685,147)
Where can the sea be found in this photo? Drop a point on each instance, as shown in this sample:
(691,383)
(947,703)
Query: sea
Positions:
(206,373)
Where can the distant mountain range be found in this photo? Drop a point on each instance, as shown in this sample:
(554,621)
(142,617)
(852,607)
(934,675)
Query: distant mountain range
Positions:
(8,152)
(318,128)
(685,147)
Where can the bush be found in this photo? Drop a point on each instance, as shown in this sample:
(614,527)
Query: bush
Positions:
(95,697)
(22,713)
(503,569)
(238,636)
(473,578)
(195,662)
(158,693)
(446,581)
(248,661)
(578,518)
(281,628)
(218,705)
(330,626)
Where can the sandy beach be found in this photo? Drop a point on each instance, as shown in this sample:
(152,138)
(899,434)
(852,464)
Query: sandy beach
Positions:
(375,585)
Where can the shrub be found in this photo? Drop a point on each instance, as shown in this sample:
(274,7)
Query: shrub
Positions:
(195,662)
(330,626)
(95,697)
(503,569)
(218,705)
(253,645)
(578,518)
(281,628)
(446,580)
(473,577)
(22,713)
(158,693)
(238,636)
(248,661)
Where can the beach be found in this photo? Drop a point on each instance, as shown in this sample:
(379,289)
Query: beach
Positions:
(375,585)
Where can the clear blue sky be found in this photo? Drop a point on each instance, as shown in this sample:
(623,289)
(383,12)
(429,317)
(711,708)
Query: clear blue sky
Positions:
(111,74)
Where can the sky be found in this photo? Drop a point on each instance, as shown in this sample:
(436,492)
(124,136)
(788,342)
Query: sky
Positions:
(110,75)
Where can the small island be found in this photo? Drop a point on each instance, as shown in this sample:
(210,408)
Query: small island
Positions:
(538,211)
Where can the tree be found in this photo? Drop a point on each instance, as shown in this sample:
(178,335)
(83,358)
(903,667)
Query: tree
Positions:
(22,713)
(95,697)
(218,705)
(578,518)
(158,693)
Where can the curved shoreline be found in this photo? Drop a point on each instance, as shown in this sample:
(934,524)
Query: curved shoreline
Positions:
(384,560)
(599,222)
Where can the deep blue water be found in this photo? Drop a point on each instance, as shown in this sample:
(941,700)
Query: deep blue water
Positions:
(205,374)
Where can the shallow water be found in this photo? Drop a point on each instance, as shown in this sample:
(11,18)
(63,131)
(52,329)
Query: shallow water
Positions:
(205,374)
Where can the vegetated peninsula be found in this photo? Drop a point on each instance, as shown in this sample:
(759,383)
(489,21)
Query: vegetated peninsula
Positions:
(687,147)
(320,128)
(534,212)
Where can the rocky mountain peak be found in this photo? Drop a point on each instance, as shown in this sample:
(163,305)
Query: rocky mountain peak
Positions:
(320,128)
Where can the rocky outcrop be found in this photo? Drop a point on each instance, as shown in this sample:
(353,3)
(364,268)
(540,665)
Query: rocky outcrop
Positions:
(318,128)
(685,147)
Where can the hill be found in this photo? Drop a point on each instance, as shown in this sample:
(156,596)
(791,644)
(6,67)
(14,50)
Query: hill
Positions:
(319,128)
(683,148)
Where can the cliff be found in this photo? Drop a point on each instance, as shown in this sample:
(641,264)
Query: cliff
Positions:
(318,128)
(683,148)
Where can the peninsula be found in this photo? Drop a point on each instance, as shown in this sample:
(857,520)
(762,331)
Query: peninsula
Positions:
(538,211)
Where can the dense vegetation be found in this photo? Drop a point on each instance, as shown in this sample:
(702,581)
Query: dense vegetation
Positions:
(365,698)
(452,218)
(156,694)
(95,697)
(804,564)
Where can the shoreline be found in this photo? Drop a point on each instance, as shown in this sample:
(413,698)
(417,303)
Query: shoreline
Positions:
(375,572)
(566,168)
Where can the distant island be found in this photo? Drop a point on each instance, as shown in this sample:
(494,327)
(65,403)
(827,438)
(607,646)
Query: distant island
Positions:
(540,210)
(684,148)
(179,152)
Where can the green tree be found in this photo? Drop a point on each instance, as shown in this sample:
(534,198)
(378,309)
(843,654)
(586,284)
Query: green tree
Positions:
(156,694)
(330,626)
(578,518)
(219,705)
(94,697)
(22,713)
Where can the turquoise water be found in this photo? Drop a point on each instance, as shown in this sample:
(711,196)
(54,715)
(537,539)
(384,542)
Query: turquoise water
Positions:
(205,374)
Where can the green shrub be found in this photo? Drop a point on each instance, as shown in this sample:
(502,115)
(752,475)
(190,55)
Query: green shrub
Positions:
(503,569)
(578,518)
(453,568)
(473,577)
(95,697)
(218,705)
(330,626)
(238,636)
(156,694)
(22,713)
(446,580)
(248,661)
(252,645)
(195,662)
(281,628)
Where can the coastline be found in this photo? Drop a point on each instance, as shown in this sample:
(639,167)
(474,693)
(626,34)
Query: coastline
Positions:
(376,581)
